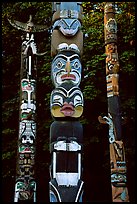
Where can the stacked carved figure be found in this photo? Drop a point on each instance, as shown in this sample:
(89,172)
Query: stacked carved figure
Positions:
(117,152)
(66,103)
(25,186)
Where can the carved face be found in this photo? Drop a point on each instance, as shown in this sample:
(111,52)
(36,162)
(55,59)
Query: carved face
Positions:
(29,27)
(65,67)
(27,132)
(22,184)
(112,64)
(27,139)
(111,25)
(69,27)
(27,125)
(28,85)
(66,101)
(28,97)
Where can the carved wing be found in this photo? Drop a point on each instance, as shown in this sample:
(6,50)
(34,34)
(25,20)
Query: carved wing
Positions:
(23,26)
(40,28)
(17,24)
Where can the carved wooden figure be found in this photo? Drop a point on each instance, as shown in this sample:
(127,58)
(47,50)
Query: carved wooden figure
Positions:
(117,152)
(25,186)
(66,103)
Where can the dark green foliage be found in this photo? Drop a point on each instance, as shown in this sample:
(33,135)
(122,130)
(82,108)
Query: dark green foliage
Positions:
(93,86)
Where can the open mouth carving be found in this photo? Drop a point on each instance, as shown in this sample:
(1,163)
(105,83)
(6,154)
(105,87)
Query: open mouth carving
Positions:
(67,110)
(70,77)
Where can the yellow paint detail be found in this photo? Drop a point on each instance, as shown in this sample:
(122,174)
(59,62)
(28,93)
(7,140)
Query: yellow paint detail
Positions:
(55,111)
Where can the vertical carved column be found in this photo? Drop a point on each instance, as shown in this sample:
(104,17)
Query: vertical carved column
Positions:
(117,152)
(66,103)
(25,186)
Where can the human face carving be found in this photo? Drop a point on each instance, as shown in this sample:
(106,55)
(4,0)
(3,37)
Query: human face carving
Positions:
(66,68)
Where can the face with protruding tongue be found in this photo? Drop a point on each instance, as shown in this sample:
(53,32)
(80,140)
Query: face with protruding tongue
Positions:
(66,102)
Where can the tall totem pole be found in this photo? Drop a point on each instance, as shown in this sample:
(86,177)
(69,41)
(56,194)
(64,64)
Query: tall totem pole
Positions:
(66,103)
(117,152)
(25,186)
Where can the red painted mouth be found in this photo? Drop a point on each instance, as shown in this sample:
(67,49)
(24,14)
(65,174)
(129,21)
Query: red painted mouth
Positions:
(70,77)
(67,110)
(29,88)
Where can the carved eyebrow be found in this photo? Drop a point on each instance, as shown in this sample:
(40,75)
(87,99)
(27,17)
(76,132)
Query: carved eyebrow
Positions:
(60,59)
(76,92)
(60,56)
(59,91)
(75,58)
(66,57)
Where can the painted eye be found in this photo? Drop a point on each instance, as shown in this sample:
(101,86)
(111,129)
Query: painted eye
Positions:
(57,99)
(59,64)
(76,65)
(77,100)
(20,185)
(24,83)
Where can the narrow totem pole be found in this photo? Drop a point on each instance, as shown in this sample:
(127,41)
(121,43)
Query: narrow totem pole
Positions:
(117,152)
(25,186)
(66,103)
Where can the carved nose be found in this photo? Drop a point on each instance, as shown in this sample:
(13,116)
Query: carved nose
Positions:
(68,67)
(68,103)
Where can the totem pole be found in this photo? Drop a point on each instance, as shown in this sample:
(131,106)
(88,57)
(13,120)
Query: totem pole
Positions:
(66,103)
(117,152)
(25,186)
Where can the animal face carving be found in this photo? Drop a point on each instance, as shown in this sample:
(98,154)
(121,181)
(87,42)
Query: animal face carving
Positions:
(111,25)
(28,102)
(68,27)
(112,63)
(66,101)
(27,139)
(27,132)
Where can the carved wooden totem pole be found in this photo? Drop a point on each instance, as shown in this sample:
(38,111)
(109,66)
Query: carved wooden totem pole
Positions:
(66,103)
(117,152)
(25,186)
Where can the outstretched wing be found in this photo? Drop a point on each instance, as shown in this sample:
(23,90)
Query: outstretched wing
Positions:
(40,28)
(17,24)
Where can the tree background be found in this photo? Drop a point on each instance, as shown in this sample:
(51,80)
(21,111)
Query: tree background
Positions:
(96,171)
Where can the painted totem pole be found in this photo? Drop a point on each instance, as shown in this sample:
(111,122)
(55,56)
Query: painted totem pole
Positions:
(25,187)
(66,103)
(117,152)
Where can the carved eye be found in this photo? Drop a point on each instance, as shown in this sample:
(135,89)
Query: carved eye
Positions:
(20,184)
(59,64)
(77,100)
(24,83)
(76,65)
(58,100)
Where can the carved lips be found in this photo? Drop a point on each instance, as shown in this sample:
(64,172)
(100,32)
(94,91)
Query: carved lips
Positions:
(68,77)
(67,109)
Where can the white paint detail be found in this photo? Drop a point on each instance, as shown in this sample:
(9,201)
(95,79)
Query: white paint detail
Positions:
(63,146)
(67,179)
